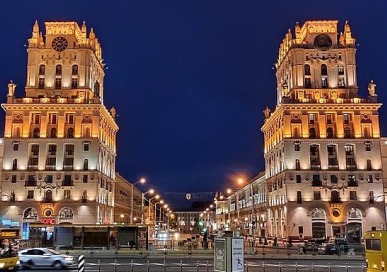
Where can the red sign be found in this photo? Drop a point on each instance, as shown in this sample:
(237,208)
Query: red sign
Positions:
(47,220)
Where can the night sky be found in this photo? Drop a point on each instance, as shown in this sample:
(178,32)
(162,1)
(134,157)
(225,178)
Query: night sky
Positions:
(189,79)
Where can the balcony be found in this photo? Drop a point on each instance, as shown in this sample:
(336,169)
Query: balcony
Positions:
(68,167)
(352,183)
(317,183)
(47,200)
(32,183)
(68,183)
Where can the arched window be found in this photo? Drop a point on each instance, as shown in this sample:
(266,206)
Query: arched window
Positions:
(42,70)
(30,213)
(87,132)
(17,132)
(307,69)
(354,213)
(74,70)
(324,70)
(48,196)
(70,133)
(366,133)
(347,133)
(66,213)
(14,164)
(296,133)
(329,132)
(96,88)
(86,164)
(335,197)
(298,167)
(318,213)
(312,133)
(369,165)
(36,133)
(53,133)
(58,70)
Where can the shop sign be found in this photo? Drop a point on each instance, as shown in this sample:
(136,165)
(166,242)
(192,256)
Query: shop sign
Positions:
(47,220)
(7,222)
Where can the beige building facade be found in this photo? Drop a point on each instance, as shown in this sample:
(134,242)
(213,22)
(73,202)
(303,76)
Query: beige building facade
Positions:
(59,139)
(322,142)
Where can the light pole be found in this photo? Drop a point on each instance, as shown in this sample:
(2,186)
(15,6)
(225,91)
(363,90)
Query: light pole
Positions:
(149,207)
(142,181)
(151,191)
(160,202)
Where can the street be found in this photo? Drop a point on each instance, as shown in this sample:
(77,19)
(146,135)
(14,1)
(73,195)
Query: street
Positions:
(199,264)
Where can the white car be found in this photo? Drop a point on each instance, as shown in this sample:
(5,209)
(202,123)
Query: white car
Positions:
(44,257)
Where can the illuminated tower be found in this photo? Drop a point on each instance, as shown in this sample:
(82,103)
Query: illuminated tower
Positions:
(60,140)
(322,142)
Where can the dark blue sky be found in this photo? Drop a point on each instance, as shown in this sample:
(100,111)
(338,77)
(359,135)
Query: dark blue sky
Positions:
(189,79)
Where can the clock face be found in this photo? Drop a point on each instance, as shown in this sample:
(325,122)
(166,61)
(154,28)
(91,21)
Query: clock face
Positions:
(59,44)
(323,42)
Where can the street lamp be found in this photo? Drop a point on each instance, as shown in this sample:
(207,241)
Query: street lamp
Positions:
(149,207)
(142,181)
(151,191)
(160,202)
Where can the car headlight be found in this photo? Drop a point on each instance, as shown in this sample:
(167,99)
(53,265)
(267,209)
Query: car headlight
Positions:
(68,258)
(2,265)
(17,262)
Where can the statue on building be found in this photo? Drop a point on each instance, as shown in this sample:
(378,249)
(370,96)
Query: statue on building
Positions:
(266,112)
(372,88)
(285,89)
(113,113)
(11,88)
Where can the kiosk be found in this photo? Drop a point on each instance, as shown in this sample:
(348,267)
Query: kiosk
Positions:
(228,252)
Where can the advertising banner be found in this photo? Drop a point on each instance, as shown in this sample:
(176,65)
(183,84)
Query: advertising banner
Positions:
(220,255)
(237,255)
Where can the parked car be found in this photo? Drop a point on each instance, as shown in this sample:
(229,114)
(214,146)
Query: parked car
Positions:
(313,244)
(342,244)
(328,248)
(44,257)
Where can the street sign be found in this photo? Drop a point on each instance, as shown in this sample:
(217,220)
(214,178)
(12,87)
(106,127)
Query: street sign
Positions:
(237,255)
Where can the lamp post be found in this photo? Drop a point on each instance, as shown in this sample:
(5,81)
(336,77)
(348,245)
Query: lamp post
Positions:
(149,207)
(151,191)
(142,181)
(160,202)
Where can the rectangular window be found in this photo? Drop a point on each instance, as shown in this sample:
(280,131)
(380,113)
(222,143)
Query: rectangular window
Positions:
(373,244)
(53,118)
(312,118)
(35,150)
(333,179)
(41,83)
(341,82)
(69,150)
(352,195)
(370,179)
(48,179)
(329,118)
(85,147)
(317,195)
(58,83)
(52,149)
(371,197)
(35,118)
(316,180)
(67,194)
(30,194)
(346,118)
(368,146)
(324,82)
(85,178)
(13,179)
(68,161)
(298,178)
(297,147)
(70,118)
(74,83)
(15,147)
(299,197)
(308,82)
(51,161)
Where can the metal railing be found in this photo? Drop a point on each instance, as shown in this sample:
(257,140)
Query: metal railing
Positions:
(208,266)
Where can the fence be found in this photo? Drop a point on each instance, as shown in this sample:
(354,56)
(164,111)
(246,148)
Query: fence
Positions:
(209,267)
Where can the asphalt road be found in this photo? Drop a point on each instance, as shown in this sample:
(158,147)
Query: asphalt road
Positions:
(194,264)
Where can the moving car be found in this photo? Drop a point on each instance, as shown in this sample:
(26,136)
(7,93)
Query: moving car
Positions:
(44,257)
(328,248)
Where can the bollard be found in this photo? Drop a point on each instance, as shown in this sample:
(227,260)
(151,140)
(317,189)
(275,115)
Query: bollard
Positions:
(81,263)
(207,267)
(131,265)
(181,265)
(280,267)
(346,267)
(197,266)
(148,267)
(312,266)
(263,266)
(115,265)
(330,267)
(99,265)
(296,266)
(165,266)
